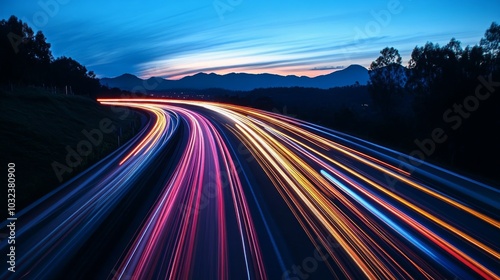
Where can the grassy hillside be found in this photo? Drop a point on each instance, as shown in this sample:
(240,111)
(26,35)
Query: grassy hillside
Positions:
(39,130)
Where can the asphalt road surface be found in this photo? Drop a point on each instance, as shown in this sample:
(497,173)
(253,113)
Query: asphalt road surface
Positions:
(217,191)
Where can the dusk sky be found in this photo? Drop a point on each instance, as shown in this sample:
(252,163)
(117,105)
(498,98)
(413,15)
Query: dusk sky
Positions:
(173,39)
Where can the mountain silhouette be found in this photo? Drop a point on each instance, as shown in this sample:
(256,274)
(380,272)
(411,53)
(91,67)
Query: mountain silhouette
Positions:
(241,81)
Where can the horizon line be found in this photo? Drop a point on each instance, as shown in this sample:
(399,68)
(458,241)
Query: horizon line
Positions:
(334,68)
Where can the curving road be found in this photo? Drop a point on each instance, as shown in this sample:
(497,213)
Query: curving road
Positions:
(217,191)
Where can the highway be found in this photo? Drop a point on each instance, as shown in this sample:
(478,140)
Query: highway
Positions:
(217,191)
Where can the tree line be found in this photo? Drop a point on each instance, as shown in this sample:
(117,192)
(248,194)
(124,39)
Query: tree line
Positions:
(451,89)
(26,59)
(435,75)
(442,107)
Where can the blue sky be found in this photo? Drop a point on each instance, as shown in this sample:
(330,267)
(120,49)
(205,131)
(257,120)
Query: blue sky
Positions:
(172,39)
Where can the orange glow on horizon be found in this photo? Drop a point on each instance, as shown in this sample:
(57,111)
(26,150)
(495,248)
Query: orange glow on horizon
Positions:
(282,71)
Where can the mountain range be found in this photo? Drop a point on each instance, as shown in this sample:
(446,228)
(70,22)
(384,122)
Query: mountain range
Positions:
(240,81)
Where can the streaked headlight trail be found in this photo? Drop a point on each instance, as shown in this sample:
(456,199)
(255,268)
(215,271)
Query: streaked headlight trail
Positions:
(217,191)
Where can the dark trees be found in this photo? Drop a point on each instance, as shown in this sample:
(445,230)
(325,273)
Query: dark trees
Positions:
(26,59)
(387,79)
(452,88)
(66,72)
(23,54)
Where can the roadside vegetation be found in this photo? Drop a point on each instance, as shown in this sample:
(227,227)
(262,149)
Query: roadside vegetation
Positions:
(51,126)
(47,136)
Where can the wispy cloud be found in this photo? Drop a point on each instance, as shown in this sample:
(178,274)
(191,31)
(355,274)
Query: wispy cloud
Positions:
(173,39)
(321,68)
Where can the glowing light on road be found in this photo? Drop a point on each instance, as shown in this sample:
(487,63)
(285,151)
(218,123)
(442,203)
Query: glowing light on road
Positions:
(209,218)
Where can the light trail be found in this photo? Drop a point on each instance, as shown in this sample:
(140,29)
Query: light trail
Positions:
(205,211)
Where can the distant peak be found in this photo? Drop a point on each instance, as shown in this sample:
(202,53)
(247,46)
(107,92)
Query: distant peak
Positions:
(248,81)
(354,66)
(125,76)
(200,74)
(155,78)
